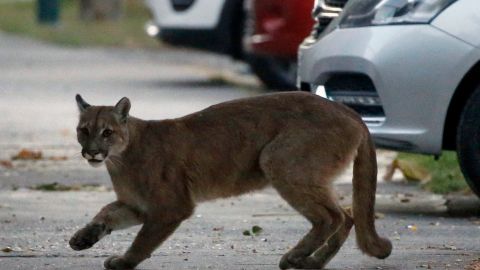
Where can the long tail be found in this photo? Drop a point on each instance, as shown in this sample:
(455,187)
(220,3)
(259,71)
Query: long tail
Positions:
(364,188)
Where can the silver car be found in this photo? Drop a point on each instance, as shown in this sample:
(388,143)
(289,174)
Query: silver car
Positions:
(411,68)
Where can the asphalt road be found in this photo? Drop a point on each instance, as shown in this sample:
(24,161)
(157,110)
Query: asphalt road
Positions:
(37,111)
(37,226)
(38,83)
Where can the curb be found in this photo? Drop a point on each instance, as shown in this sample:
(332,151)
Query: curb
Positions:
(463,205)
(429,204)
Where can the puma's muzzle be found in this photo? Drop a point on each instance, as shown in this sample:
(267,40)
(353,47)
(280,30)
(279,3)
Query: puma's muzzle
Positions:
(94,158)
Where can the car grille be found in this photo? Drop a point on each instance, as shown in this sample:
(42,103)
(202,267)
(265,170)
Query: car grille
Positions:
(356,91)
(324,13)
(336,3)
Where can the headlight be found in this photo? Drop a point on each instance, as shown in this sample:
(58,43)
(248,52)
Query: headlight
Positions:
(381,12)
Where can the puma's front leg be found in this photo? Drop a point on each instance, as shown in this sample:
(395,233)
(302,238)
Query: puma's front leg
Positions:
(152,234)
(114,216)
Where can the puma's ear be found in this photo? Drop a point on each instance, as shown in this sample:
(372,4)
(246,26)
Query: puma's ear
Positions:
(122,108)
(82,104)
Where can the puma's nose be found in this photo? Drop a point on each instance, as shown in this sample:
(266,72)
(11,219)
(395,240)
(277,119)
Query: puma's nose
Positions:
(90,154)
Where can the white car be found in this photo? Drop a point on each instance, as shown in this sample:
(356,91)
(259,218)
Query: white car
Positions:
(218,26)
(213,25)
(410,68)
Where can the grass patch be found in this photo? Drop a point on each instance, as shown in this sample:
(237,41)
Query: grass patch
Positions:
(445,172)
(20,18)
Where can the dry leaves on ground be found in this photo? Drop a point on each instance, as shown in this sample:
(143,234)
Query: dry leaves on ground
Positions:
(410,170)
(6,164)
(26,154)
(7,249)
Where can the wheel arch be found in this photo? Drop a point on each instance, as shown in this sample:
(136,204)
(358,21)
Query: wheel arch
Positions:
(462,93)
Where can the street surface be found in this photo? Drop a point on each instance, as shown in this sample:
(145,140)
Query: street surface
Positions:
(38,83)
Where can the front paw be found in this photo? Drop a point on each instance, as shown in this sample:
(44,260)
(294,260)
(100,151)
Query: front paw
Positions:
(118,263)
(88,236)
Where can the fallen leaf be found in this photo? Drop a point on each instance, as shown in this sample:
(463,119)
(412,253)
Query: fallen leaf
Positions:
(410,170)
(412,228)
(6,163)
(256,230)
(246,233)
(26,154)
(7,249)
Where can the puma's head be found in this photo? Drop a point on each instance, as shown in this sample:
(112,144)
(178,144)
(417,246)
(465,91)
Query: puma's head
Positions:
(102,130)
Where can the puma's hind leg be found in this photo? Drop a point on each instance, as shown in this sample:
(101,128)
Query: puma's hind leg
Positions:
(327,220)
(302,172)
(320,258)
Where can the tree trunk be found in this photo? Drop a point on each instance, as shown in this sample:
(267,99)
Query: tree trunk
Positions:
(100,10)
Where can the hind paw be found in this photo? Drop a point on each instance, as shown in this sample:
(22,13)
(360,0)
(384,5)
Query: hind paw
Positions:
(118,263)
(290,262)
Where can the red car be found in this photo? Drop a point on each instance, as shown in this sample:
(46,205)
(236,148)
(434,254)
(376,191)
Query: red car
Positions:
(274,30)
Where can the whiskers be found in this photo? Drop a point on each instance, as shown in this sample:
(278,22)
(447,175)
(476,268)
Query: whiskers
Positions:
(77,155)
(115,162)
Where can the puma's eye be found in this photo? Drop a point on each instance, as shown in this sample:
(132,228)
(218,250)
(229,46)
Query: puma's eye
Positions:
(84,130)
(107,132)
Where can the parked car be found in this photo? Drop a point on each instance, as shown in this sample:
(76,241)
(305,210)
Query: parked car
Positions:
(264,33)
(274,30)
(212,25)
(411,69)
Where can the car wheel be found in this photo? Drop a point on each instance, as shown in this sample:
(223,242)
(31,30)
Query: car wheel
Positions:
(468,141)
(274,72)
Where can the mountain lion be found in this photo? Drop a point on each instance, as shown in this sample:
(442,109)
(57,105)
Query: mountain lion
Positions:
(296,142)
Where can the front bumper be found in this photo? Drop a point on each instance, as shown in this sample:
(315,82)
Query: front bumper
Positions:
(415,70)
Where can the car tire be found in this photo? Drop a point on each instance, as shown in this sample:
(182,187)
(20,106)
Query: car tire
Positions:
(275,73)
(468,141)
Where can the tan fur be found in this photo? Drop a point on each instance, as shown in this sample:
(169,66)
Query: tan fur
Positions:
(296,142)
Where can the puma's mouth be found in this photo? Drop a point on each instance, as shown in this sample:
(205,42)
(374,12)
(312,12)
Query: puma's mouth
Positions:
(95,162)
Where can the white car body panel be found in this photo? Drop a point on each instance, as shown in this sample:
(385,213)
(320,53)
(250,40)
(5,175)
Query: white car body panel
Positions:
(462,20)
(203,14)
